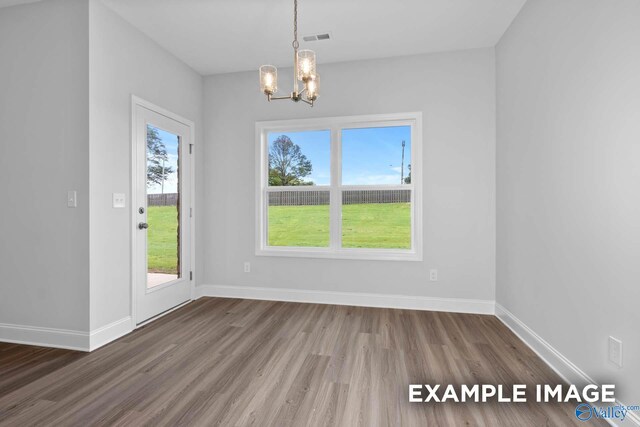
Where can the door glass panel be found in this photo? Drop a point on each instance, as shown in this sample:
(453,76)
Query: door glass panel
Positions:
(163,207)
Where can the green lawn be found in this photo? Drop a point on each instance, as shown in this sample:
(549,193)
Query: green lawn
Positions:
(374,225)
(162,242)
(299,226)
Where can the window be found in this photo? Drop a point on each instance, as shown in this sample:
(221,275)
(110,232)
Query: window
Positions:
(342,187)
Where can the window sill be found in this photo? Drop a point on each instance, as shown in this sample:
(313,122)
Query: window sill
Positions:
(348,254)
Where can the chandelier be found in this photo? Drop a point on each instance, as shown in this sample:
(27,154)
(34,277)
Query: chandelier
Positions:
(304,70)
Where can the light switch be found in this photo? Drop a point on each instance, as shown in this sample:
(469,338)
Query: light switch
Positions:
(118,200)
(72,199)
(615,351)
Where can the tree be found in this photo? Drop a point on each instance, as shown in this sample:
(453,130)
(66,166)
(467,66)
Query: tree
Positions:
(157,169)
(287,164)
(407,180)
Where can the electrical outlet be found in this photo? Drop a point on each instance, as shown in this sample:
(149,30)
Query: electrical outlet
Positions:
(433,275)
(72,199)
(247,267)
(615,351)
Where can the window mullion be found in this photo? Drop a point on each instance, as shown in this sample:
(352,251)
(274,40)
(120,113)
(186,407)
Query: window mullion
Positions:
(336,195)
(264,191)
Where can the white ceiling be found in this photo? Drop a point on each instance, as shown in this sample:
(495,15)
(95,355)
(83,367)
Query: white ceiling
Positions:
(220,36)
(7,3)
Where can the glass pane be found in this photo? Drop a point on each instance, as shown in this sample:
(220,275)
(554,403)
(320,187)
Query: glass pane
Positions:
(376,219)
(376,156)
(163,206)
(299,218)
(299,158)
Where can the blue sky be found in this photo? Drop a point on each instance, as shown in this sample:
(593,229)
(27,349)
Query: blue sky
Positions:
(316,145)
(370,156)
(171,143)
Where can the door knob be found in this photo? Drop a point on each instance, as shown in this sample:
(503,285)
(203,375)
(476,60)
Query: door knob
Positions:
(143,225)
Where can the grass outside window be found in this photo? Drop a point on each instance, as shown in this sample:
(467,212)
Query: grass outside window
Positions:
(372,225)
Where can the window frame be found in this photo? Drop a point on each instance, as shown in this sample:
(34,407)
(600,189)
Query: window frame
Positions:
(335,125)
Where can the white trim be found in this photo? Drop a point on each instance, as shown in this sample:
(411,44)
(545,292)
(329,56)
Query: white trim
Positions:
(64,338)
(135,102)
(192,211)
(350,122)
(164,313)
(335,194)
(133,167)
(566,369)
(341,253)
(335,126)
(44,337)
(110,332)
(560,364)
(453,305)
(301,188)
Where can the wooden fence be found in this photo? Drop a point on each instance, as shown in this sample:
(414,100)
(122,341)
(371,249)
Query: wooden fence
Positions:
(298,198)
(167,199)
(308,198)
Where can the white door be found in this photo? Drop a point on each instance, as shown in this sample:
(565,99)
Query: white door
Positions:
(162,211)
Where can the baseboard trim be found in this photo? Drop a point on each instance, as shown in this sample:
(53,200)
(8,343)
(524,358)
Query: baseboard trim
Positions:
(64,338)
(110,332)
(567,370)
(453,305)
(556,360)
(44,337)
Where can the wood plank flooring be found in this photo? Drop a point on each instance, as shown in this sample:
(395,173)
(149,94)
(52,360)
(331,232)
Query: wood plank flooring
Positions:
(232,362)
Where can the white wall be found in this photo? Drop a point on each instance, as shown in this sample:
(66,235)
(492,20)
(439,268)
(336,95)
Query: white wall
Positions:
(44,128)
(455,92)
(568,175)
(123,62)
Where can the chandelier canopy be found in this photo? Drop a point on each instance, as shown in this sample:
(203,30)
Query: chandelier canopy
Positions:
(304,70)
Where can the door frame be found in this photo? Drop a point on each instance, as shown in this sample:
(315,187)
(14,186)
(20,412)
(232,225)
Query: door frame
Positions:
(140,102)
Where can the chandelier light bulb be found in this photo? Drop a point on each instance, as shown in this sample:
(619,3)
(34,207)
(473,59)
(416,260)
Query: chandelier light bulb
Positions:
(306,64)
(268,79)
(313,87)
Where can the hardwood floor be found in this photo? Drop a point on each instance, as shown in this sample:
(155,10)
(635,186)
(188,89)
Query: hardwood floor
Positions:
(239,362)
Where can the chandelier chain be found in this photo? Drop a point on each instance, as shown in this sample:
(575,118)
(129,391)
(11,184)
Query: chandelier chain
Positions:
(304,65)
(295,43)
